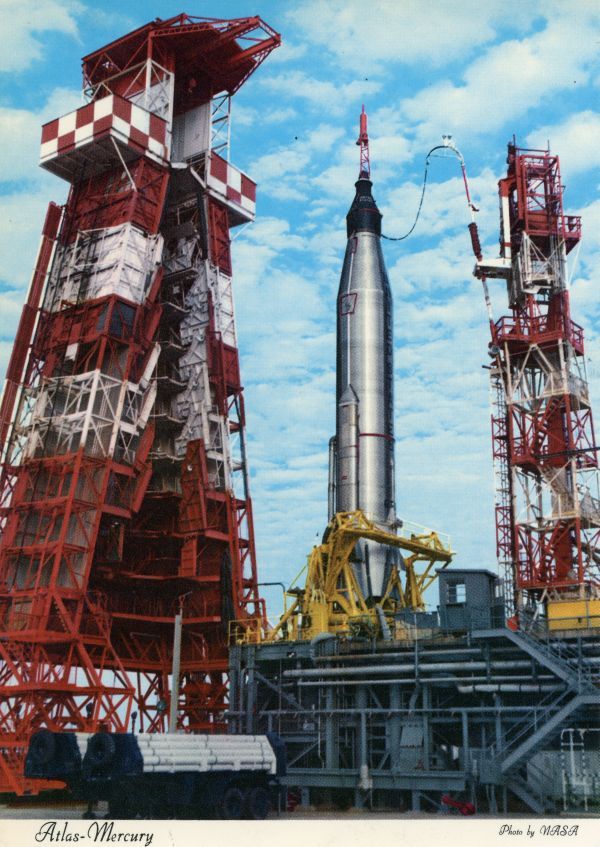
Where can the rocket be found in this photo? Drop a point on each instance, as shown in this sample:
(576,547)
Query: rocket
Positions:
(361,454)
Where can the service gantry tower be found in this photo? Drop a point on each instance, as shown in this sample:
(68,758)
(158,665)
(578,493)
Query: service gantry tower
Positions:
(124,485)
(545,454)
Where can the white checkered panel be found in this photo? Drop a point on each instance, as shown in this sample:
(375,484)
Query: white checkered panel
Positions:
(140,130)
(233,186)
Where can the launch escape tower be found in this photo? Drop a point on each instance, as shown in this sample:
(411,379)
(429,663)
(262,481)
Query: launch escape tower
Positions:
(545,454)
(124,485)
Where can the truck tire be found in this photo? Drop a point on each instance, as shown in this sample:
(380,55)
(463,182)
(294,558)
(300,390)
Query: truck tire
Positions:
(231,807)
(256,803)
(101,750)
(42,747)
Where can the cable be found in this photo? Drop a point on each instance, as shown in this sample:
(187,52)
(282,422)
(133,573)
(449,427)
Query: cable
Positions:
(402,237)
(447,145)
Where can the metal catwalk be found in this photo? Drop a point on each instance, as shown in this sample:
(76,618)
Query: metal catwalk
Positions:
(468,709)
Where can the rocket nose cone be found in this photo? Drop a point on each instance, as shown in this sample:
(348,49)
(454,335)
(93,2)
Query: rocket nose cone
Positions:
(363,214)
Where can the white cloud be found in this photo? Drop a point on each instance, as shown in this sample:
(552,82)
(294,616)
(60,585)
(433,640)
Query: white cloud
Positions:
(320,94)
(280,116)
(335,182)
(591,227)
(11,304)
(386,153)
(20,133)
(273,233)
(576,138)
(60,102)
(507,80)
(287,52)
(287,349)
(282,173)
(22,211)
(5,354)
(285,191)
(585,270)
(272,166)
(407,32)
(110,19)
(20,142)
(243,115)
(248,116)
(25,24)
(22,215)
(323,137)
(387,150)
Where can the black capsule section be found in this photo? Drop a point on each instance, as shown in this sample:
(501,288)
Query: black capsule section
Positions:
(364,214)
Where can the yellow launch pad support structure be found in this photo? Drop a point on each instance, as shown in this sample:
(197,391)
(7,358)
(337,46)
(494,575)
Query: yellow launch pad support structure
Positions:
(573,614)
(332,601)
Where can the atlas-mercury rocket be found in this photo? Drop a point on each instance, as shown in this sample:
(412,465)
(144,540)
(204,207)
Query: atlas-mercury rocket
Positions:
(361,454)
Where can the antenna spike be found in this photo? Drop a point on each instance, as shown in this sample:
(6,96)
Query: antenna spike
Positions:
(363,143)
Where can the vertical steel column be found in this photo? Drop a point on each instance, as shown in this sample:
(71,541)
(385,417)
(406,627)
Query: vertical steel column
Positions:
(234,689)
(177,628)
(394,725)
(465,753)
(426,704)
(331,729)
(364,781)
(251,689)
(498,724)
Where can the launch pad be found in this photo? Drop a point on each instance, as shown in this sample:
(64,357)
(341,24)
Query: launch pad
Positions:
(491,703)
(125,508)
(462,708)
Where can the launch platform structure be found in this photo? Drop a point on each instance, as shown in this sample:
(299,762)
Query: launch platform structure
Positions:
(124,486)
(332,600)
(431,709)
(545,454)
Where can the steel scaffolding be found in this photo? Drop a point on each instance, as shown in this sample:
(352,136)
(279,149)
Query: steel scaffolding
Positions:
(464,713)
(124,488)
(548,489)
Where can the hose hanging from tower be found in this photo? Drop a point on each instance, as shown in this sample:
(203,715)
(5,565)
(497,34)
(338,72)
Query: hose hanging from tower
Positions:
(448,144)
(411,230)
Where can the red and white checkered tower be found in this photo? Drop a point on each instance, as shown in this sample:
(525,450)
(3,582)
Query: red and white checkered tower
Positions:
(124,487)
(547,495)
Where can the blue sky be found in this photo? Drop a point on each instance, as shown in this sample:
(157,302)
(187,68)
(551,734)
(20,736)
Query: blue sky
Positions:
(481,71)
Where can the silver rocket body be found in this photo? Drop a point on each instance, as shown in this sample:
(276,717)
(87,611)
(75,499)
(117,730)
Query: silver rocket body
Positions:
(362,452)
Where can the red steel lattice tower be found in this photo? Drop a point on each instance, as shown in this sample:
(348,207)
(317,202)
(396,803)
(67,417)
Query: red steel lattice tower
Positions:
(547,498)
(124,486)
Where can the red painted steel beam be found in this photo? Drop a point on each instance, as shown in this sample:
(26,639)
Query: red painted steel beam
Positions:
(543,438)
(24,335)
